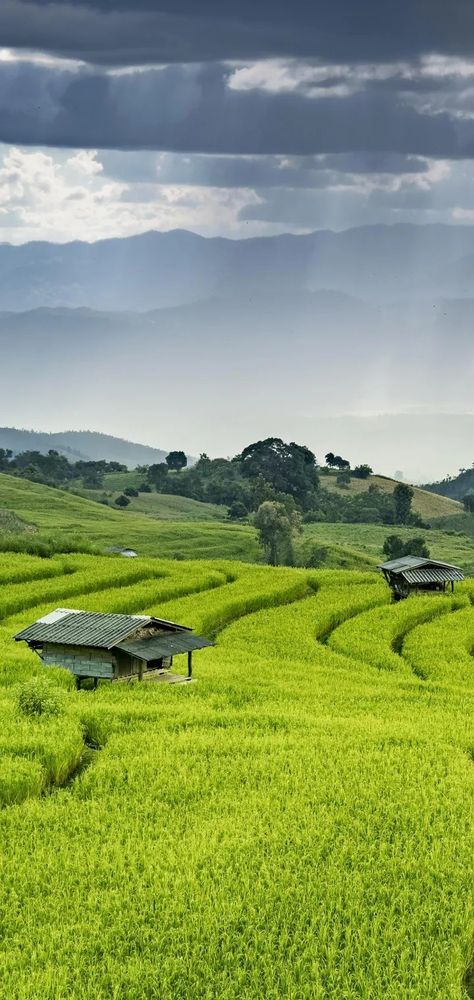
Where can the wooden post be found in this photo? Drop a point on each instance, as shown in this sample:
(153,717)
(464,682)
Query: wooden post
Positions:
(190,664)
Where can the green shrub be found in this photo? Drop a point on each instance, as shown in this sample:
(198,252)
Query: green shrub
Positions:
(37,697)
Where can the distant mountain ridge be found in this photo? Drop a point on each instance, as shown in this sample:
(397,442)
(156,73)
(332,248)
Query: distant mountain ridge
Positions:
(81,446)
(457,487)
(160,269)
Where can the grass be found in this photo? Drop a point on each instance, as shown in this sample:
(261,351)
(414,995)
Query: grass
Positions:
(368,539)
(62,514)
(428,505)
(164,506)
(298,824)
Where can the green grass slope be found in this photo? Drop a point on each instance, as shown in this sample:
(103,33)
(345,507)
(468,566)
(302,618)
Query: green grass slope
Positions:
(164,506)
(55,512)
(427,505)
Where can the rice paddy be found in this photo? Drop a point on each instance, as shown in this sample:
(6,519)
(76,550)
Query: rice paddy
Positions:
(297,824)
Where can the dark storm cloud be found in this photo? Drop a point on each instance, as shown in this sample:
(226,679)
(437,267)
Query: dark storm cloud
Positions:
(134,32)
(193,109)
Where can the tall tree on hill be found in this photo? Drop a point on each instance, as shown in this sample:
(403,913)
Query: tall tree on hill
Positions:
(275,526)
(288,468)
(402,497)
(176,460)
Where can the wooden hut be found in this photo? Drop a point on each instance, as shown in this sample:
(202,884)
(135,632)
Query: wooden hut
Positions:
(411,574)
(112,647)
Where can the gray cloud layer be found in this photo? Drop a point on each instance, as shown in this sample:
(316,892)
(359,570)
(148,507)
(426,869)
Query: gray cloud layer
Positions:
(134,32)
(193,109)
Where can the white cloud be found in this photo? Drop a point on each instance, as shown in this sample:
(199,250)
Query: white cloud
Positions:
(59,197)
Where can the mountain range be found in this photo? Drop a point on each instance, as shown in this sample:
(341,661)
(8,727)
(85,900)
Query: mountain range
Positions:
(81,446)
(156,270)
(208,344)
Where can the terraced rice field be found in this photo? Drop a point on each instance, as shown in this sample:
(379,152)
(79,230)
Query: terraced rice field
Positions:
(297,824)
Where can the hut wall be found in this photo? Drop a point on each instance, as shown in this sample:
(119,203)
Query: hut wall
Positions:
(84,661)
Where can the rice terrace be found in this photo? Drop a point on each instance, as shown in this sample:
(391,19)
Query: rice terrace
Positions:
(297,822)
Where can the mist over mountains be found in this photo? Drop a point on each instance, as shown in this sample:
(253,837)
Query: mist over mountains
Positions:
(207,344)
(156,270)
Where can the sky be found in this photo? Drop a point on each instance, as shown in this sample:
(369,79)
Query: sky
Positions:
(235,118)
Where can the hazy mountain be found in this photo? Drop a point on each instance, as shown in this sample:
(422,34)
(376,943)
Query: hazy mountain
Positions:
(77,445)
(208,344)
(456,488)
(155,270)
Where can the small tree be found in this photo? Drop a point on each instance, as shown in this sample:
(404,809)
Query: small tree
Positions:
(237,510)
(122,501)
(176,460)
(393,547)
(343,478)
(468,502)
(402,497)
(130,491)
(362,471)
(329,458)
(275,526)
(416,547)
(157,475)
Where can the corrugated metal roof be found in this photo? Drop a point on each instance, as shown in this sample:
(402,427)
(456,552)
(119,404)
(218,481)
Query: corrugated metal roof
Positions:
(413,562)
(164,645)
(87,628)
(433,574)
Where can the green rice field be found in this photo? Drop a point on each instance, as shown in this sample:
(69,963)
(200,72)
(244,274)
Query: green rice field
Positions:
(298,823)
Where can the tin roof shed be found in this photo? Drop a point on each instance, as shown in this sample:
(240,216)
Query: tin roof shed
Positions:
(113,646)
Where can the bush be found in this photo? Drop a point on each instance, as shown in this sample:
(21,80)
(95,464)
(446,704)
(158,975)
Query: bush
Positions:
(130,491)
(122,501)
(362,471)
(37,697)
(237,510)
(315,555)
(144,488)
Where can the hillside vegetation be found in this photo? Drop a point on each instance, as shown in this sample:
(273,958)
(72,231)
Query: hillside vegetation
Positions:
(427,504)
(298,823)
(64,515)
(170,528)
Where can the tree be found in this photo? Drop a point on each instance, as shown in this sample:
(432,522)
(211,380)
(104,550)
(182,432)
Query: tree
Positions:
(130,491)
(468,502)
(340,463)
(288,468)
(343,478)
(362,471)
(275,528)
(5,455)
(402,497)
(122,501)
(176,460)
(157,475)
(393,547)
(416,547)
(329,459)
(237,510)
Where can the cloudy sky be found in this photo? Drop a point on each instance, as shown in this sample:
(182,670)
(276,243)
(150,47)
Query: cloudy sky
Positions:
(233,117)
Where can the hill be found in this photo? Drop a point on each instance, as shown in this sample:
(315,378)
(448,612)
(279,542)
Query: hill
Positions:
(81,445)
(427,504)
(160,269)
(67,517)
(167,526)
(456,487)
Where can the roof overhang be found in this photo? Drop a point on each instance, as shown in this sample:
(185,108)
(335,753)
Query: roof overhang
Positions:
(163,645)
